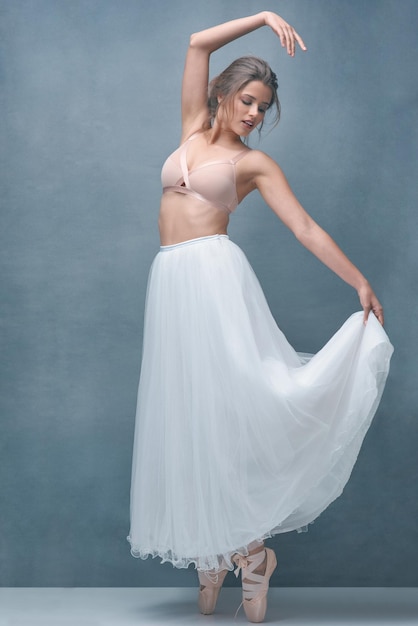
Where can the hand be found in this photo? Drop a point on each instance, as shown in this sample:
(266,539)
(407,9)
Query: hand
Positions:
(287,34)
(369,302)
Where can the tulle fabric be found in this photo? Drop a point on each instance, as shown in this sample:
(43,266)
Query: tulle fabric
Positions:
(238,437)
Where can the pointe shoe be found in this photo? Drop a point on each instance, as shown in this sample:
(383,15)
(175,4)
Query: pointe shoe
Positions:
(255,587)
(208,595)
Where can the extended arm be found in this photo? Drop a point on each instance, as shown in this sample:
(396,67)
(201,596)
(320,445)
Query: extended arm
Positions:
(273,186)
(203,43)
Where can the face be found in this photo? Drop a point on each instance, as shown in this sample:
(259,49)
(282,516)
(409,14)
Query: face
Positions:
(249,107)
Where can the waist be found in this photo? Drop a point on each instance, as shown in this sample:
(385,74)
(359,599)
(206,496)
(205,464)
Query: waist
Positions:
(183,217)
(189,242)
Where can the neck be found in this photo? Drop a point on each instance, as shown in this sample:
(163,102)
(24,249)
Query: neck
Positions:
(223,136)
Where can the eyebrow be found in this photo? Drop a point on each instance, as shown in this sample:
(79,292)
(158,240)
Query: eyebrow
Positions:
(253,98)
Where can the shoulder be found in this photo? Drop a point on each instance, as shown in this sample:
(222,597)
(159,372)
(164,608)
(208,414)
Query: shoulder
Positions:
(256,170)
(257,162)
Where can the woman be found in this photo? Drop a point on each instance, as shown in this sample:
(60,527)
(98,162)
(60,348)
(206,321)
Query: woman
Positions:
(238,437)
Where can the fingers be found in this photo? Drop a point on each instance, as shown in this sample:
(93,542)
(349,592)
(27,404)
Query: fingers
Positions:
(289,37)
(291,41)
(281,35)
(366,314)
(378,312)
(377,309)
(286,33)
(369,302)
(299,40)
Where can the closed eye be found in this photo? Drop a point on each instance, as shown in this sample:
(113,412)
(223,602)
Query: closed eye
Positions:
(260,110)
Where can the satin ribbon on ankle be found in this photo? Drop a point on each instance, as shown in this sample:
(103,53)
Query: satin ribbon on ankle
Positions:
(213,577)
(241,564)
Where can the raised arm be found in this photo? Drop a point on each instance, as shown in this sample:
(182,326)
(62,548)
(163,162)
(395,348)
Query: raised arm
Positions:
(195,113)
(269,179)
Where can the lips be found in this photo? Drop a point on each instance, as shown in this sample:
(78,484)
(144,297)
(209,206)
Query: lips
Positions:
(248,123)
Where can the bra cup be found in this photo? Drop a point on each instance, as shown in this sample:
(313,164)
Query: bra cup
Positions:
(170,172)
(213,182)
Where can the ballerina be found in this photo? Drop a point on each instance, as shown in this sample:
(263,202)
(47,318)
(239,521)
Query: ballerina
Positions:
(237,437)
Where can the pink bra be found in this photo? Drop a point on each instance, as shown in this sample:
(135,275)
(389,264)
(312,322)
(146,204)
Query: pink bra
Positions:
(212,182)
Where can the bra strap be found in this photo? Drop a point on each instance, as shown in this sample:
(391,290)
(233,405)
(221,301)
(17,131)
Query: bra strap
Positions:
(193,135)
(239,156)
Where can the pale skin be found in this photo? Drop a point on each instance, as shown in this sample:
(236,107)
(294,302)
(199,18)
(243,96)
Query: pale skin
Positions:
(185,217)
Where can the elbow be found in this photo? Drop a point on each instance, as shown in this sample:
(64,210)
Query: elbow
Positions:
(198,41)
(305,232)
(195,41)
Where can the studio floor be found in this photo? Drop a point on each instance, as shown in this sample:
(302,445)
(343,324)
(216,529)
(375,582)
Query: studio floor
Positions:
(177,606)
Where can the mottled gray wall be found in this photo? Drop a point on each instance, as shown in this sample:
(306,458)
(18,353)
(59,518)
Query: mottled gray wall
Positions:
(90,108)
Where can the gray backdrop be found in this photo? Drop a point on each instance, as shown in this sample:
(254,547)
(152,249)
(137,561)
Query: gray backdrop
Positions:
(90,108)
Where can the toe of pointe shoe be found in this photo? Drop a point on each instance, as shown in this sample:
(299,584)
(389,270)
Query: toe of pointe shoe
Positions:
(208,596)
(207,601)
(255,611)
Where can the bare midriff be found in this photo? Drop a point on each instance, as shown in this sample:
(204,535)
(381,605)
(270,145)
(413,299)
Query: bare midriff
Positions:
(183,217)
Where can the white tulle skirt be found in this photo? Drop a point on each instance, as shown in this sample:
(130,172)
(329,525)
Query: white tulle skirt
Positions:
(238,437)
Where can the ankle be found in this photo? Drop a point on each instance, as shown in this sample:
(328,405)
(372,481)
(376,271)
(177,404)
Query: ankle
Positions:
(255,546)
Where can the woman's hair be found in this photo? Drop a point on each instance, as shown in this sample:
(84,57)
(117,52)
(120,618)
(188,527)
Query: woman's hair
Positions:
(235,77)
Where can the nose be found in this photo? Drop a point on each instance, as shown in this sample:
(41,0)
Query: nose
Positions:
(253,109)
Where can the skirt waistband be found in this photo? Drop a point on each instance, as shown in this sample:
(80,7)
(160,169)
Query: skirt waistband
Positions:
(190,242)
